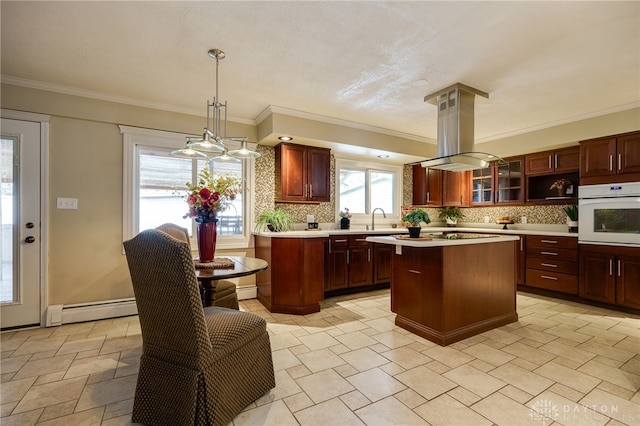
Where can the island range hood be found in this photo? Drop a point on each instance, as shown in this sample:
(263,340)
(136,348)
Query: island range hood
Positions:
(455,146)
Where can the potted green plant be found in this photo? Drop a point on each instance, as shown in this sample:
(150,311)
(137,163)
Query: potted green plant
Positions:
(276,220)
(451,214)
(413,219)
(572,217)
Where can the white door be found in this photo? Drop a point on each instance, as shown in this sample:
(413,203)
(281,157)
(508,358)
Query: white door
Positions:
(20,234)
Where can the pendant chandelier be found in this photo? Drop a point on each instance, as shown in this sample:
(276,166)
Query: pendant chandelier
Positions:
(212,144)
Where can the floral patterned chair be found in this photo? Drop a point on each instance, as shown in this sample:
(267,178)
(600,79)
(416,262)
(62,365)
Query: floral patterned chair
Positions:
(199,365)
(225,294)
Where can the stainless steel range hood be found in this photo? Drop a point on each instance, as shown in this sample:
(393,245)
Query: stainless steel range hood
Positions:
(455,145)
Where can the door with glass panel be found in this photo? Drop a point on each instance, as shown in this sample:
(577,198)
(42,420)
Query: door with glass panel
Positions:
(20,273)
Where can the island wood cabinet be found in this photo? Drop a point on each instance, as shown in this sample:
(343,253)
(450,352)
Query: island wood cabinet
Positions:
(552,263)
(610,160)
(302,174)
(350,262)
(521,260)
(293,283)
(382,263)
(610,274)
(427,186)
(557,161)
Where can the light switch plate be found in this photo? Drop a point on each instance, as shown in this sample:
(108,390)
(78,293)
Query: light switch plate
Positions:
(67,203)
(399,250)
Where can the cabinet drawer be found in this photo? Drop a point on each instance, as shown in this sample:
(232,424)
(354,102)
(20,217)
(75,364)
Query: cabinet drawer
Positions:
(552,265)
(358,240)
(552,253)
(339,241)
(557,242)
(564,283)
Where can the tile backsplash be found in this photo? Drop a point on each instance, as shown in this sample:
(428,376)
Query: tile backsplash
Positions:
(325,212)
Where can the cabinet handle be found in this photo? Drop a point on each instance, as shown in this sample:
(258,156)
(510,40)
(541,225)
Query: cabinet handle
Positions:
(329,245)
(610,162)
(347,256)
(413,271)
(341,241)
(361,239)
(549,253)
(310,191)
(619,161)
(550,265)
(550,162)
(428,197)
(461,200)
(369,255)
(547,277)
(549,241)
(305,190)
(521,244)
(619,268)
(555,161)
(610,266)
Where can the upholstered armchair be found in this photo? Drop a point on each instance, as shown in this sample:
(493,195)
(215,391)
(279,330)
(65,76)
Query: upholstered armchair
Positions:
(225,293)
(198,365)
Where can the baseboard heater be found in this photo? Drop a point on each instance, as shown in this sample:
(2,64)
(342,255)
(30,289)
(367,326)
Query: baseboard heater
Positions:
(92,311)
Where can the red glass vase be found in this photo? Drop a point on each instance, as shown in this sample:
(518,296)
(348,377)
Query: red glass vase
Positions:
(207,233)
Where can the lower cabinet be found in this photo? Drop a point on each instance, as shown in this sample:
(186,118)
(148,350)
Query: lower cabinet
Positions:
(353,262)
(610,274)
(552,263)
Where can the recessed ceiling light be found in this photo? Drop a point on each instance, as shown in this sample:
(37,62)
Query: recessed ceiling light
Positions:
(383,156)
(285,138)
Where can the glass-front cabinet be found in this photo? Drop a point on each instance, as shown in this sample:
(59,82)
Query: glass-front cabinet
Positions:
(510,181)
(501,183)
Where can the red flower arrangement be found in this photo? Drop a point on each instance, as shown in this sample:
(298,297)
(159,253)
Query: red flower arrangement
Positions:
(212,194)
(560,183)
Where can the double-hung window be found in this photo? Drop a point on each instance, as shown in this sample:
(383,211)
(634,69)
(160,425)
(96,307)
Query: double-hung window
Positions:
(154,187)
(362,187)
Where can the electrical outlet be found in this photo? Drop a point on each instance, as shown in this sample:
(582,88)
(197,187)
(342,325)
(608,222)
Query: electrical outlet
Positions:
(486,219)
(523,219)
(67,203)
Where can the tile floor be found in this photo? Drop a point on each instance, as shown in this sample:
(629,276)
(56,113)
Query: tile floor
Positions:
(562,363)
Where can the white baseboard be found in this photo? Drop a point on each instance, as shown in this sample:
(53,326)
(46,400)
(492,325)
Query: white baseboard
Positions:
(67,314)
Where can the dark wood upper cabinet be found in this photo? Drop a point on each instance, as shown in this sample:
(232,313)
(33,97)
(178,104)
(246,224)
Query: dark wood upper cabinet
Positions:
(549,162)
(302,174)
(427,186)
(455,189)
(611,159)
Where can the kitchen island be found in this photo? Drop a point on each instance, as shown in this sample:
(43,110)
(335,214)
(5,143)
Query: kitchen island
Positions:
(446,288)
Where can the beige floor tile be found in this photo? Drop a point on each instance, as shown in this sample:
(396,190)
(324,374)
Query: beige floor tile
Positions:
(474,380)
(356,340)
(375,384)
(36,346)
(564,411)
(446,411)
(44,366)
(87,366)
(437,366)
(285,387)
(58,410)
(346,370)
(283,359)
(320,360)
(283,340)
(354,400)
(23,419)
(612,406)
(275,413)
(488,354)
(298,402)
(630,344)
(448,356)
(118,409)
(332,412)
(535,335)
(106,392)
(51,377)
(521,378)
(533,355)
(503,410)
(616,390)
(364,359)
(560,348)
(318,341)
(606,350)
(393,339)
(324,385)
(516,394)
(14,363)
(127,366)
(298,371)
(51,393)
(410,398)
(72,347)
(574,379)
(120,344)
(15,390)
(425,382)
(405,357)
(381,324)
(389,411)
(613,375)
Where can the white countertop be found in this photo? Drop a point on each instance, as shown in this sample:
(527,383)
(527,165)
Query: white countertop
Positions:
(437,242)
(549,230)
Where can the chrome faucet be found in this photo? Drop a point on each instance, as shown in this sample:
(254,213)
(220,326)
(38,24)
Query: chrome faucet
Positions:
(373,216)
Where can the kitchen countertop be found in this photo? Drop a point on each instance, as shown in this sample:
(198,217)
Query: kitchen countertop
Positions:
(441,242)
(547,230)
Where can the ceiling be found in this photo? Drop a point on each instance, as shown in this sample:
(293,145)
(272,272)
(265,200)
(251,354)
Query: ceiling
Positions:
(368,63)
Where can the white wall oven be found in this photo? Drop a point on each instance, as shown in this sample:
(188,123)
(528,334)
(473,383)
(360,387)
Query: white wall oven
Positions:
(609,214)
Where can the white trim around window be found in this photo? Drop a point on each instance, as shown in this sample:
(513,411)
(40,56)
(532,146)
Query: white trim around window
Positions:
(136,138)
(365,218)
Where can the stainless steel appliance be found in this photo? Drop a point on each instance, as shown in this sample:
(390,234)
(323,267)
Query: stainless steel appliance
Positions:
(610,214)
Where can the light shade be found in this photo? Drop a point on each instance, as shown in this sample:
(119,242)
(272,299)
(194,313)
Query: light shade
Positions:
(188,152)
(244,152)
